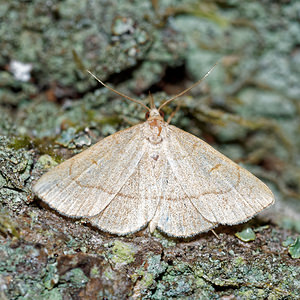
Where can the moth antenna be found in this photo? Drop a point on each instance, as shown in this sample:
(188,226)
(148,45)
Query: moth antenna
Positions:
(188,89)
(152,105)
(119,93)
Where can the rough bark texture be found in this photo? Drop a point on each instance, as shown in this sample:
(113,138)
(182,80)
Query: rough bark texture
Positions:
(248,109)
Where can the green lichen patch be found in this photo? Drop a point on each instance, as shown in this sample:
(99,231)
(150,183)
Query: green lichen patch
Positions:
(294,248)
(75,277)
(47,161)
(246,235)
(145,276)
(177,280)
(67,137)
(166,242)
(289,241)
(51,277)
(122,253)
(54,294)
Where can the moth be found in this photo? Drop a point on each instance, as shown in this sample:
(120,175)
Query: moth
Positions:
(157,175)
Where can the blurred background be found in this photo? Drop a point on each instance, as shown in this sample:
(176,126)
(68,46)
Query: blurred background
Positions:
(248,108)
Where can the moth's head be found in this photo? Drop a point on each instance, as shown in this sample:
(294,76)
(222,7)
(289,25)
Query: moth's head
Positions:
(154,113)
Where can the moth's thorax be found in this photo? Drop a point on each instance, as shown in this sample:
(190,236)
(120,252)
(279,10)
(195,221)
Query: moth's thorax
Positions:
(155,127)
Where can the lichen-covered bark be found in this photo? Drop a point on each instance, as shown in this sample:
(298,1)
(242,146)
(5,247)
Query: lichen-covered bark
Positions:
(248,108)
